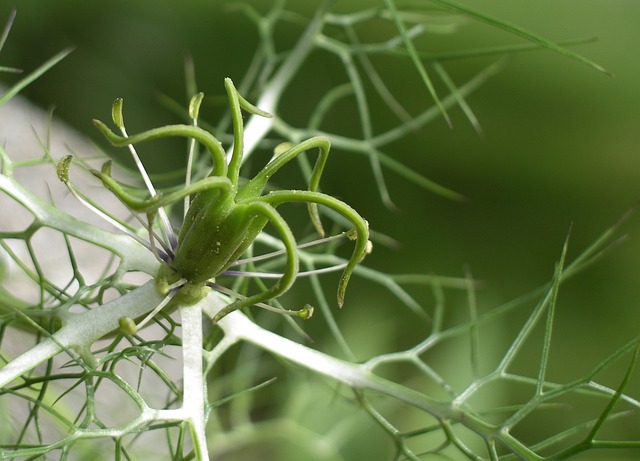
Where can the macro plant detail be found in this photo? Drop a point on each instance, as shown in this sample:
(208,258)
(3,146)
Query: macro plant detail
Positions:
(99,363)
(224,218)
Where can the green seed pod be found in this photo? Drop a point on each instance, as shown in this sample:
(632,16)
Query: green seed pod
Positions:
(224,219)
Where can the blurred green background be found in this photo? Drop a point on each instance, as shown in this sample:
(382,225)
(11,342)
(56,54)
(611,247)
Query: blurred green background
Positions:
(560,147)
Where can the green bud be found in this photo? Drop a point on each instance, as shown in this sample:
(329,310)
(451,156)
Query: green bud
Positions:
(63,168)
(306,312)
(128,326)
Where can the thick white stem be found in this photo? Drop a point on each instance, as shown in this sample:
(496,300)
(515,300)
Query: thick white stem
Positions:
(80,331)
(194,398)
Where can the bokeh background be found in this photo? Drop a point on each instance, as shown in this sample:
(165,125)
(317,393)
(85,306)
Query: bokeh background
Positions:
(560,145)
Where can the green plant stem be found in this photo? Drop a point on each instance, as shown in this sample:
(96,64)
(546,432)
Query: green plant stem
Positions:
(82,330)
(257,127)
(237,326)
(136,256)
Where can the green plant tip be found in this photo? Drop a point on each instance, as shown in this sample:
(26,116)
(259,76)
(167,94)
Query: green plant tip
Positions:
(194,106)
(116,113)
